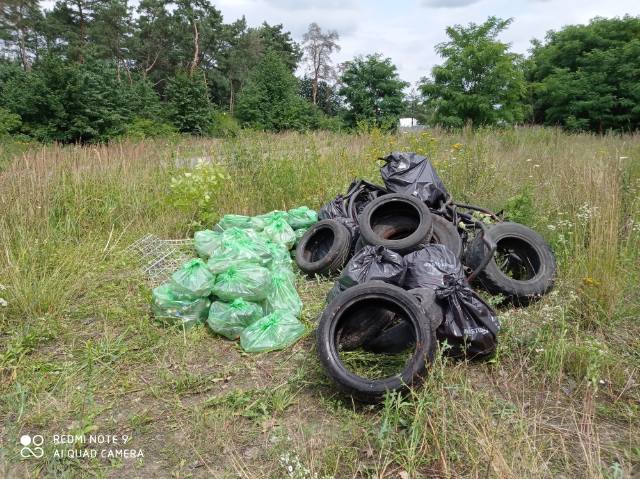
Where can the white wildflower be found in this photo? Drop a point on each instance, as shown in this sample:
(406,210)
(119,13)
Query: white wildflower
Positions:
(551,227)
(3,303)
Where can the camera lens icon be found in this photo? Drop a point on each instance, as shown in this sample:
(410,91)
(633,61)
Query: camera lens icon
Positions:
(26,440)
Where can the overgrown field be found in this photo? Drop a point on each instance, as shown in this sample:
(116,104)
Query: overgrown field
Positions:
(80,353)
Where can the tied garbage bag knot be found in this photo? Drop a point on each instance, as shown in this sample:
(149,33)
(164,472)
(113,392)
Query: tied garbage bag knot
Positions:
(280,232)
(371,263)
(269,322)
(230,319)
(453,286)
(193,278)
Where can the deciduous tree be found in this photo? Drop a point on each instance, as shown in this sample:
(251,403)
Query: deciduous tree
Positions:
(587,77)
(481,81)
(373,90)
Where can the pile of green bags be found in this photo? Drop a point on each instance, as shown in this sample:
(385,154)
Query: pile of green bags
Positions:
(242,285)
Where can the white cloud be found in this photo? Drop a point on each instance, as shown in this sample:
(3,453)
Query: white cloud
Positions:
(310,4)
(448,3)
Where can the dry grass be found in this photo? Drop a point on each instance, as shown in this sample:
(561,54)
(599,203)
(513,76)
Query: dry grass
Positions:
(80,353)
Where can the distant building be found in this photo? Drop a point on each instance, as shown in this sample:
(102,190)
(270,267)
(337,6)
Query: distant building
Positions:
(409,125)
(408,122)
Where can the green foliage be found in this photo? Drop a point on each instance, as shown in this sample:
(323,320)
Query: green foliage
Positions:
(270,99)
(9,122)
(585,77)
(520,208)
(195,192)
(373,91)
(329,123)
(327,99)
(274,38)
(188,106)
(67,102)
(223,125)
(480,82)
(146,128)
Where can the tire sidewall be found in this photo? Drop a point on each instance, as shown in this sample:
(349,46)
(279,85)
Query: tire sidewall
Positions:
(404,245)
(371,390)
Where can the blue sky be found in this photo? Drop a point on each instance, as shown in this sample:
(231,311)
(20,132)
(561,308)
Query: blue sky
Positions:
(407,30)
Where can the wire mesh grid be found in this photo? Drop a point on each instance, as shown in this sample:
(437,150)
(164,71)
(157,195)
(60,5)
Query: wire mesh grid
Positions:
(160,258)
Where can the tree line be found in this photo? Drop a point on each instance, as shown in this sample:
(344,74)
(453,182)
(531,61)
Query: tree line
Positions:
(92,70)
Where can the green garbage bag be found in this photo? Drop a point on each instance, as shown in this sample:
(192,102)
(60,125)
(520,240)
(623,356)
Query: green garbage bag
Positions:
(229,319)
(193,278)
(299,234)
(235,221)
(177,308)
(302,217)
(207,242)
(280,232)
(239,246)
(277,330)
(283,295)
(279,254)
(272,216)
(260,221)
(245,280)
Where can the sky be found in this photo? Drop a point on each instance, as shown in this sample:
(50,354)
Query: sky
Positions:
(408,30)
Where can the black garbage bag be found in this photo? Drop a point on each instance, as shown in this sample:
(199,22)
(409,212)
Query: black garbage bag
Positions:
(413,174)
(371,263)
(427,267)
(470,326)
(353,228)
(334,209)
(351,204)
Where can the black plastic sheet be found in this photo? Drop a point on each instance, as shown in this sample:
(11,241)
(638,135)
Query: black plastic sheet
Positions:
(413,174)
(470,326)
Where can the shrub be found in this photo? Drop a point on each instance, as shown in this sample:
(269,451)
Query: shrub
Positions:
(330,123)
(146,128)
(520,209)
(9,122)
(223,125)
(195,191)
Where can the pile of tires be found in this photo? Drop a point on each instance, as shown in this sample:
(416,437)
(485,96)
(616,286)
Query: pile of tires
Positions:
(396,221)
(375,310)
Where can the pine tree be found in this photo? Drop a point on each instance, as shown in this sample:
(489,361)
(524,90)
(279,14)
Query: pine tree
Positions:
(188,106)
(270,99)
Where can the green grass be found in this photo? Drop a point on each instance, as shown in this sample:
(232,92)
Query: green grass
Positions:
(375,366)
(80,353)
